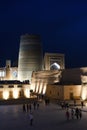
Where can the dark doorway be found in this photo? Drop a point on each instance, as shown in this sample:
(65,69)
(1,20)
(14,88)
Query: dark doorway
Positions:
(71,95)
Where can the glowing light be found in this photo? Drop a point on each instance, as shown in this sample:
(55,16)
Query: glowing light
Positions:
(44,89)
(55,66)
(37,87)
(15,93)
(83,96)
(2,73)
(5,94)
(27,92)
(40,89)
(86,104)
(84,79)
(33,87)
(84,93)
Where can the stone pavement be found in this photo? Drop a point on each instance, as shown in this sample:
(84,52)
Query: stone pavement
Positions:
(50,117)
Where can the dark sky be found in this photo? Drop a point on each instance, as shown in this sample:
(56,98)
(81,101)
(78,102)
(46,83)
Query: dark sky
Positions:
(62,26)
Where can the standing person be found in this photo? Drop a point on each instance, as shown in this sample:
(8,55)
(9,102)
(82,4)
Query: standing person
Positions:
(62,105)
(37,105)
(31,118)
(24,108)
(67,114)
(72,113)
(80,113)
(34,104)
(77,112)
(82,104)
(30,107)
(27,107)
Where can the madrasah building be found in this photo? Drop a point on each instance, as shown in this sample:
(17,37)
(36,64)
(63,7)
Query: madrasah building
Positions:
(42,75)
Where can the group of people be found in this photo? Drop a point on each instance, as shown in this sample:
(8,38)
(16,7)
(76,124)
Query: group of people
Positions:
(28,108)
(75,113)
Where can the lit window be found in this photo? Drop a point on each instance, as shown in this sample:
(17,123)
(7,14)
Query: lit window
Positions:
(5,94)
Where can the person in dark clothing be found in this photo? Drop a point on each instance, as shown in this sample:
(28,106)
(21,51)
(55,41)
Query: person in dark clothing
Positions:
(34,104)
(24,108)
(82,104)
(72,113)
(27,107)
(30,107)
(67,114)
(77,112)
(37,105)
(80,113)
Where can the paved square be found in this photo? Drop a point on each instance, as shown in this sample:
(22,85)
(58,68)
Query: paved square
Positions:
(50,117)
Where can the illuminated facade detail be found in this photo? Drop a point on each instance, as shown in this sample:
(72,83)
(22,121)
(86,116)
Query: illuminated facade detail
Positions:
(55,66)
(37,87)
(15,93)
(52,58)
(84,92)
(8,72)
(14,74)
(2,74)
(5,94)
(14,90)
(32,87)
(27,91)
(42,78)
(44,88)
(40,88)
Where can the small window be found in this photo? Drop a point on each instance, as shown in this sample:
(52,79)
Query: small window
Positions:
(19,86)
(10,86)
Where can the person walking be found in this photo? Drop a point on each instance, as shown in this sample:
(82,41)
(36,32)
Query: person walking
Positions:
(31,118)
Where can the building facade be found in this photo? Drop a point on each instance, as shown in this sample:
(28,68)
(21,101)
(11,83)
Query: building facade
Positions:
(14,89)
(44,75)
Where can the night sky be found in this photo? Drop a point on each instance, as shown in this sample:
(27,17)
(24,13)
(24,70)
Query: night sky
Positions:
(62,26)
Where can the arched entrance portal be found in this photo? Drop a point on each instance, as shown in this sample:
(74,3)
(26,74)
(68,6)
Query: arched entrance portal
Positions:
(55,66)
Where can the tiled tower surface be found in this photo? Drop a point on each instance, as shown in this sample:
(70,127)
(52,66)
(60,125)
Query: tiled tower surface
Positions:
(30,56)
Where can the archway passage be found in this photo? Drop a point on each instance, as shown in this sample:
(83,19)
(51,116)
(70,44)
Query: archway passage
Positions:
(55,66)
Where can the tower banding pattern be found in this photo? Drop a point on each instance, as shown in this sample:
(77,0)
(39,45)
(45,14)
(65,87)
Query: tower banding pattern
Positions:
(30,56)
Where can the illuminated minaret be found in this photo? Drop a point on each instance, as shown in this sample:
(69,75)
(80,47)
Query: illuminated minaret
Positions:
(30,56)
